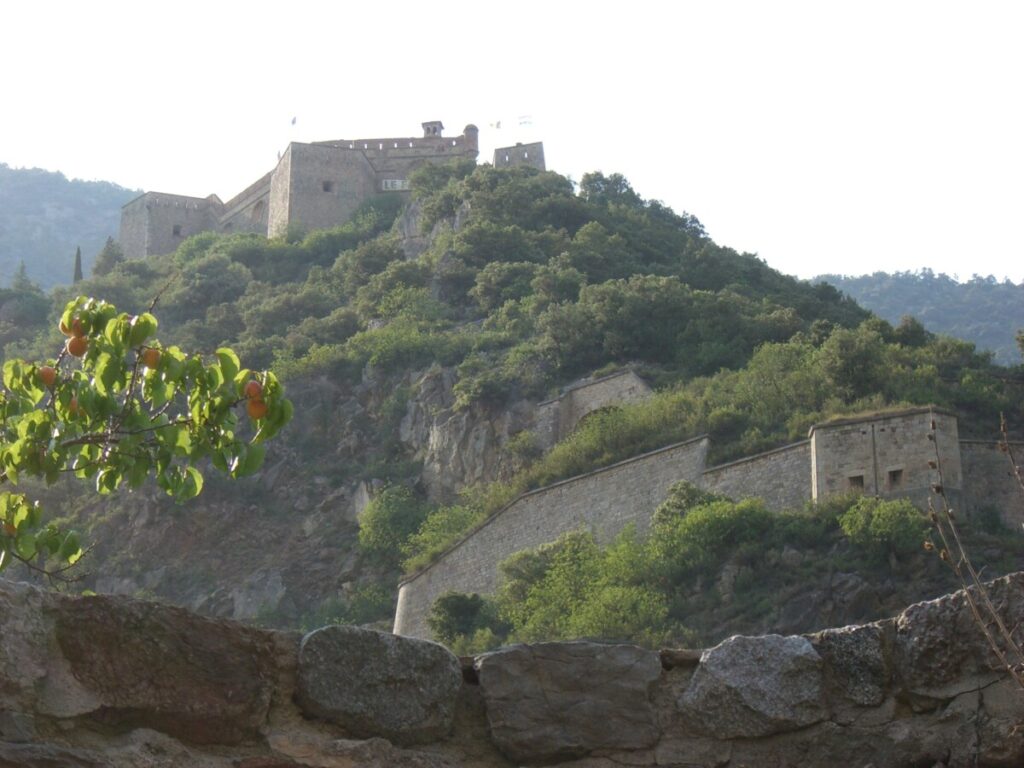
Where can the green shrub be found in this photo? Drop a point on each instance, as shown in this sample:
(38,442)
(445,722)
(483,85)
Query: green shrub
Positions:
(390,518)
(441,528)
(700,540)
(879,527)
(454,615)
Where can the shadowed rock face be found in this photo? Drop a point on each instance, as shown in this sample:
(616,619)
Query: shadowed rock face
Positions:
(161,667)
(558,700)
(109,681)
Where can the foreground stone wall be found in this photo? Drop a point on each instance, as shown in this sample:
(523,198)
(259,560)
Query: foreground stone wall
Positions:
(604,501)
(109,681)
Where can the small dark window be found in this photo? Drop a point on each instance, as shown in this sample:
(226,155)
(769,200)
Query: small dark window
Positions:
(895,478)
(176,230)
(857,482)
(328,186)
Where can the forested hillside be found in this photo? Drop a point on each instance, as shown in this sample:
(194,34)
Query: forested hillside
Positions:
(981,310)
(416,341)
(44,217)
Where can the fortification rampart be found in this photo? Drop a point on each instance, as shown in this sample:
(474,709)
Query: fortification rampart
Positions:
(890,454)
(989,481)
(248,210)
(520,154)
(603,501)
(780,477)
(558,417)
(158,222)
(323,186)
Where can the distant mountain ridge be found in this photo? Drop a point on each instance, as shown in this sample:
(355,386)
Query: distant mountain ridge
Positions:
(44,216)
(982,310)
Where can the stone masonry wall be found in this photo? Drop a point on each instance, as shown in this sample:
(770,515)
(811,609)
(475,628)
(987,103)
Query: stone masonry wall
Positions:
(885,456)
(603,501)
(617,389)
(132,236)
(95,681)
(558,417)
(781,477)
(248,211)
(520,154)
(156,223)
(989,481)
(347,174)
(280,190)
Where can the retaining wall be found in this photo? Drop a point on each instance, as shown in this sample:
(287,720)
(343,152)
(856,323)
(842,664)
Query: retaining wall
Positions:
(989,480)
(604,501)
(781,477)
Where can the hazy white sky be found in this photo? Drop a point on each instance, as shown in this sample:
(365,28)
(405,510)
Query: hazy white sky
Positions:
(823,136)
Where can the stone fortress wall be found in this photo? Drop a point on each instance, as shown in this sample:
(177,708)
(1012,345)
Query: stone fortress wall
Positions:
(604,501)
(520,154)
(314,185)
(885,454)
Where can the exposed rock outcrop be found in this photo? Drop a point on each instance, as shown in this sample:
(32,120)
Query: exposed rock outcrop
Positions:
(111,681)
(457,447)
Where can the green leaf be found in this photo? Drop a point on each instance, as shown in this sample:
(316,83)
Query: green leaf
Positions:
(104,378)
(143,326)
(229,363)
(193,484)
(108,479)
(70,549)
(12,373)
(25,545)
(251,460)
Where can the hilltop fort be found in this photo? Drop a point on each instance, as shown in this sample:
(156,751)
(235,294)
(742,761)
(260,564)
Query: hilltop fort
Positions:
(314,185)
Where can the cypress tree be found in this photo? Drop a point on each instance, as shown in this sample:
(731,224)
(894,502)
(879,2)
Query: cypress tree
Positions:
(78,266)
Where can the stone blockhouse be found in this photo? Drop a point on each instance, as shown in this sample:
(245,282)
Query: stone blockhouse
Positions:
(314,186)
(890,454)
(520,154)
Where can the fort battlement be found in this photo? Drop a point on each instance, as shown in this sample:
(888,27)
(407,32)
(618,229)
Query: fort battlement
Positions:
(885,454)
(314,185)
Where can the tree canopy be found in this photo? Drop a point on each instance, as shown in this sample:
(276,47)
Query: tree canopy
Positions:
(116,407)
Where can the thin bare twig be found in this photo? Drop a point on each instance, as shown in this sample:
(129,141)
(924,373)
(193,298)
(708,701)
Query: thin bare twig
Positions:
(953,552)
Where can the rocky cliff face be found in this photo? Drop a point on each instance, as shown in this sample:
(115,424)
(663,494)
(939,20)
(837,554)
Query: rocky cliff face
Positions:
(275,547)
(112,681)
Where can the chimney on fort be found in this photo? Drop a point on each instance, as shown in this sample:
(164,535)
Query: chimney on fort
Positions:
(432,128)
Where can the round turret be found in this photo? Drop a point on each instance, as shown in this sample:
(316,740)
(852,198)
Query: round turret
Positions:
(472,134)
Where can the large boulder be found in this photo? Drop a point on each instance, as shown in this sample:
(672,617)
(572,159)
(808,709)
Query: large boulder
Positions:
(560,700)
(378,684)
(939,649)
(755,686)
(856,661)
(161,667)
